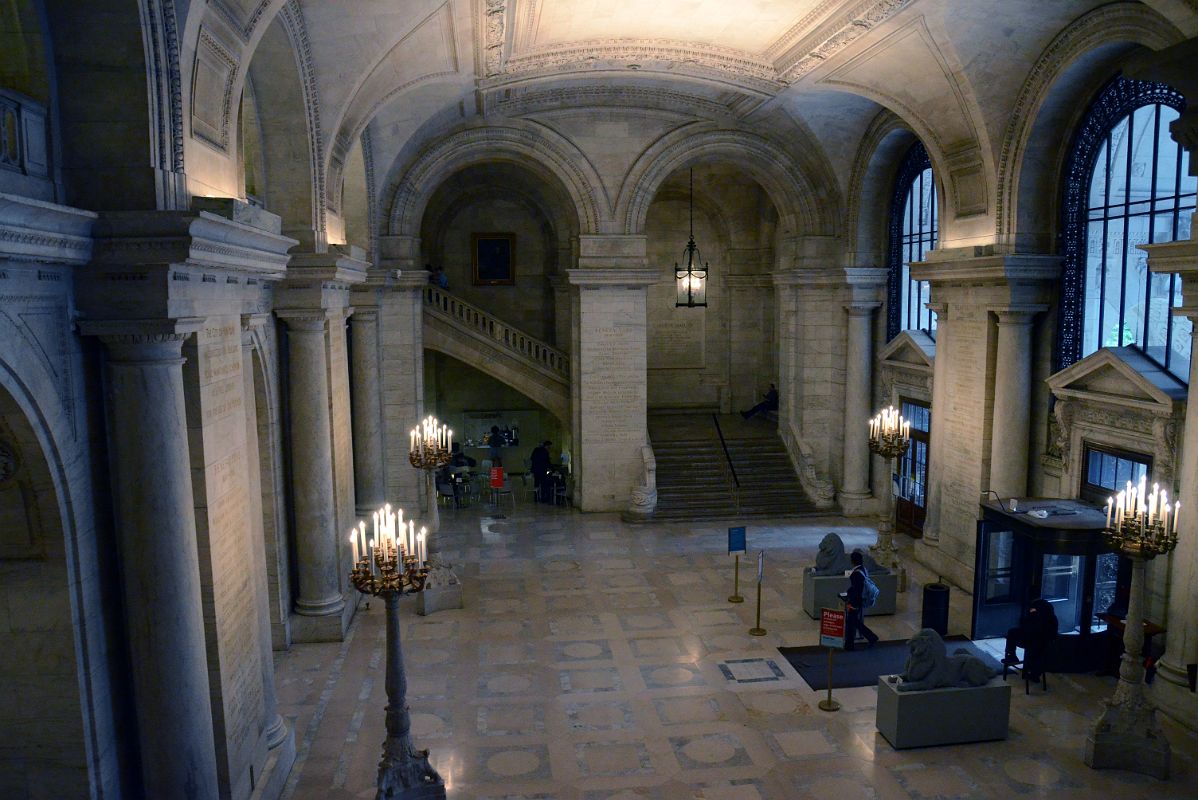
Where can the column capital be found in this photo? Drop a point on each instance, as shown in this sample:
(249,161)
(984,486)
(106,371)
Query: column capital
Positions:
(862,308)
(612,251)
(304,319)
(631,278)
(142,340)
(364,314)
(1018,314)
(249,324)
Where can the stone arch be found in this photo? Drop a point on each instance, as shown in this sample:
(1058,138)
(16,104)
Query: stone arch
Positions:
(58,584)
(795,198)
(142,151)
(270,467)
(871,187)
(534,147)
(1033,149)
(289,151)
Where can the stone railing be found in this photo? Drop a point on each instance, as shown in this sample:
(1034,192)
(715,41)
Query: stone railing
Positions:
(505,336)
(23,142)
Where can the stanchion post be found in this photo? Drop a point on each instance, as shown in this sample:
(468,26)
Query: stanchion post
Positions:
(757,630)
(828,704)
(735,596)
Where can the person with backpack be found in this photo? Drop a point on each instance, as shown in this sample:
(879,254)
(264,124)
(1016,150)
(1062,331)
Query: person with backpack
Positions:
(862,594)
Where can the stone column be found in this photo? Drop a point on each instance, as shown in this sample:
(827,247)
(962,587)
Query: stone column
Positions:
(1012,400)
(277,731)
(160,571)
(1171,689)
(609,384)
(858,392)
(319,601)
(369,479)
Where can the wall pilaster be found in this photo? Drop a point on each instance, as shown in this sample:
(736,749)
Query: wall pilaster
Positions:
(609,389)
(971,287)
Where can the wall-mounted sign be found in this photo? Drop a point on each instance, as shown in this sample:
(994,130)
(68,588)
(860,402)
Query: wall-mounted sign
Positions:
(494,257)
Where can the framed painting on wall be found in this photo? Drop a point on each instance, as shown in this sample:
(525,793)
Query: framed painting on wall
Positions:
(494,256)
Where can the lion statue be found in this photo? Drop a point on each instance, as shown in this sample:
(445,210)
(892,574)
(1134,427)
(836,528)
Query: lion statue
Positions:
(930,666)
(833,560)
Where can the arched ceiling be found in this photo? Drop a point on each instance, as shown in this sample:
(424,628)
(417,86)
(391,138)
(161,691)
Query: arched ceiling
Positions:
(809,74)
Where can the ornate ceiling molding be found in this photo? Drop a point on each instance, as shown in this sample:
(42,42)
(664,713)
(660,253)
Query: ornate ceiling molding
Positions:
(516,102)
(834,35)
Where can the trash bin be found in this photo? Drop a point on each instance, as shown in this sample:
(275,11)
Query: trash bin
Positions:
(935,608)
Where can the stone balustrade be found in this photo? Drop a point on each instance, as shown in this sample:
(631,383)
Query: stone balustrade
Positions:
(510,338)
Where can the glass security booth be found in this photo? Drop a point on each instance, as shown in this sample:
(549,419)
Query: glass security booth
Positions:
(1034,547)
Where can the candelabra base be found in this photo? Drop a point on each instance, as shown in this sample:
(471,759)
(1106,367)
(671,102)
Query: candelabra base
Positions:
(405,774)
(1127,735)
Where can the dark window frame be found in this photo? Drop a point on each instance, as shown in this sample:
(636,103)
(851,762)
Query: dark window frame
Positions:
(1096,493)
(1118,99)
(910,170)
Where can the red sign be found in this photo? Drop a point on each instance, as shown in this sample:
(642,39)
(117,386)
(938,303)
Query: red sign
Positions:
(496,477)
(831,628)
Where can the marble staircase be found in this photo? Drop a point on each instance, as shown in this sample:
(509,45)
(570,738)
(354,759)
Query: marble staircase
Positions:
(697,478)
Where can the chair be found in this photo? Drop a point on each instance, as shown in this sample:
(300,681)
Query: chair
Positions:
(445,494)
(561,493)
(498,495)
(1035,659)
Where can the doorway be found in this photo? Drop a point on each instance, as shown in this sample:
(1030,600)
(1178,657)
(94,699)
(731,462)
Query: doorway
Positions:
(912,498)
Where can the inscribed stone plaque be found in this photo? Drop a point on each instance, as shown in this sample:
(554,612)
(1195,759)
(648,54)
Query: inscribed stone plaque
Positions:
(677,336)
(214,387)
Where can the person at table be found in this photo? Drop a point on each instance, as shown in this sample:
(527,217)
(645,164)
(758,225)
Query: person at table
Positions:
(769,403)
(1033,633)
(539,462)
(459,459)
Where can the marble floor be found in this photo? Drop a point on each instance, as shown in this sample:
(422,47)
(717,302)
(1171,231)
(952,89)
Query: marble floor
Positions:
(596,659)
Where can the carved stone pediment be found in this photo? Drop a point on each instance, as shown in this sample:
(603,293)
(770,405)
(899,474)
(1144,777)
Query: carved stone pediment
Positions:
(1117,398)
(912,350)
(1120,376)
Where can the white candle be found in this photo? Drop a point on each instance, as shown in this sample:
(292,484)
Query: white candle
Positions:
(353,539)
(411,537)
(1110,502)
(450,435)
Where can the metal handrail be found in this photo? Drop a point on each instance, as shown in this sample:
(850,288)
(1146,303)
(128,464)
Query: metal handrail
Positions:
(506,336)
(734,486)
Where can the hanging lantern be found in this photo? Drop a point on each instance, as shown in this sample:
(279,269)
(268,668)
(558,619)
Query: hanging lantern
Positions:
(691,280)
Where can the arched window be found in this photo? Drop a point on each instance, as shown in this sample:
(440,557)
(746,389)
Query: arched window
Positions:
(913,230)
(1126,184)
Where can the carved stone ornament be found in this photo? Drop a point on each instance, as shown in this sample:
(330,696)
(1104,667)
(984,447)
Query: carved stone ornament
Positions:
(1063,413)
(440,575)
(10,462)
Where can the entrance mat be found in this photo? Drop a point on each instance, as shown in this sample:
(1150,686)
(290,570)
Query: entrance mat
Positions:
(862,665)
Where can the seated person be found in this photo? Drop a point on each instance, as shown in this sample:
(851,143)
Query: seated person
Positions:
(769,403)
(1034,632)
(460,459)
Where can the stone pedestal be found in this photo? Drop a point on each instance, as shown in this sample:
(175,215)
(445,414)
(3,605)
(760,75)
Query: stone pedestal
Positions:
(946,716)
(430,601)
(1127,735)
(609,384)
(160,570)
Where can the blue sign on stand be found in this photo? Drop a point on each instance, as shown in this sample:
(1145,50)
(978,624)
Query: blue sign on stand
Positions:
(736,540)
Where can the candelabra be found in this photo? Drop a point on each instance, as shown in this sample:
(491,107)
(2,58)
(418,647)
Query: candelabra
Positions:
(430,443)
(385,567)
(1139,526)
(889,437)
